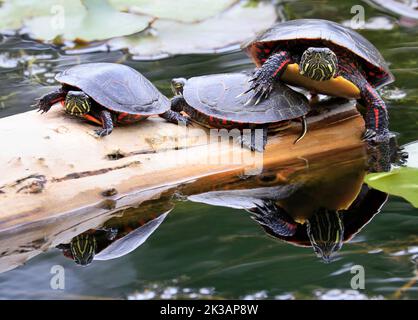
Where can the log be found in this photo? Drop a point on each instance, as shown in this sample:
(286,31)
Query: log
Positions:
(59,180)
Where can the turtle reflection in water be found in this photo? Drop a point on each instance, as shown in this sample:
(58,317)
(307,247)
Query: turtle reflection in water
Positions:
(326,230)
(321,208)
(117,238)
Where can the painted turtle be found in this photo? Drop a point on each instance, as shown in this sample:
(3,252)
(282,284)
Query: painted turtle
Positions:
(323,57)
(212,101)
(327,229)
(112,242)
(255,200)
(108,94)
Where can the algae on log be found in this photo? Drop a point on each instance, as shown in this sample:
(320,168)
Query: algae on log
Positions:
(59,180)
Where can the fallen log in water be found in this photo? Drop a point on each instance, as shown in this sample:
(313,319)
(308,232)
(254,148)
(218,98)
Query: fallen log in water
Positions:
(59,179)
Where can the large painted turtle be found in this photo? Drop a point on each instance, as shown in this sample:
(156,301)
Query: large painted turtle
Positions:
(323,57)
(108,94)
(327,229)
(212,101)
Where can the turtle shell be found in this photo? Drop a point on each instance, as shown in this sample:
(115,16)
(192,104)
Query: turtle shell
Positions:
(116,87)
(218,96)
(375,66)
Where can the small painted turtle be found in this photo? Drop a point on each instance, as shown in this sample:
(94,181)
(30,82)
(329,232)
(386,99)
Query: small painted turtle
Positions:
(323,57)
(108,94)
(212,101)
(111,242)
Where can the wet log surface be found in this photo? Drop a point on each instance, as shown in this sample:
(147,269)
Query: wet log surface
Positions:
(59,180)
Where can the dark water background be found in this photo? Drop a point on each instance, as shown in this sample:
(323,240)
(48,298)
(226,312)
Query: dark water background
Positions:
(202,250)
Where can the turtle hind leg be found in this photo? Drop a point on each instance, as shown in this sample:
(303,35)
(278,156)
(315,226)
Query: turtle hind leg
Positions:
(107,122)
(377,121)
(45,102)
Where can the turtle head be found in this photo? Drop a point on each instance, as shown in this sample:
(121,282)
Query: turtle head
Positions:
(326,233)
(83,248)
(77,103)
(177,85)
(318,64)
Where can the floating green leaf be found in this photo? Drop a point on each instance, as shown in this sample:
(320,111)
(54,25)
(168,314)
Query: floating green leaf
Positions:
(87,20)
(13,13)
(230,28)
(412,149)
(179,10)
(402,182)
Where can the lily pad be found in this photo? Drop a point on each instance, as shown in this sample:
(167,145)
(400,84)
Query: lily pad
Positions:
(412,149)
(402,182)
(222,32)
(88,20)
(179,10)
(401,8)
(13,13)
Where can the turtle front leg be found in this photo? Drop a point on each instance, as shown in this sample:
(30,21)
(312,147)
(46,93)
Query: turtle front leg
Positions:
(377,120)
(275,218)
(45,102)
(174,115)
(265,76)
(107,122)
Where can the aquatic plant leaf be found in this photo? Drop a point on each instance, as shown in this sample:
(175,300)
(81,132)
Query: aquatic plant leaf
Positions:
(402,182)
(412,149)
(401,8)
(13,13)
(223,32)
(87,20)
(179,10)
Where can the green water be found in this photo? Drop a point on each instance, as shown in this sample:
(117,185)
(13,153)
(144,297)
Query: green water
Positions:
(214,251)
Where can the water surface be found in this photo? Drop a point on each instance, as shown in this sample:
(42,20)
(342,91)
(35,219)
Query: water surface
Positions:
(202,250)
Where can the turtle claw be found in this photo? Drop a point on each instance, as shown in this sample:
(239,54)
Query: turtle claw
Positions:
(103,132)
(275,218)
(244,93)
(369,135)
(186,121)
(260,96)
(240,95)
(400,158)
(263,94)
(42,105)
(262,85)
(248,102)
